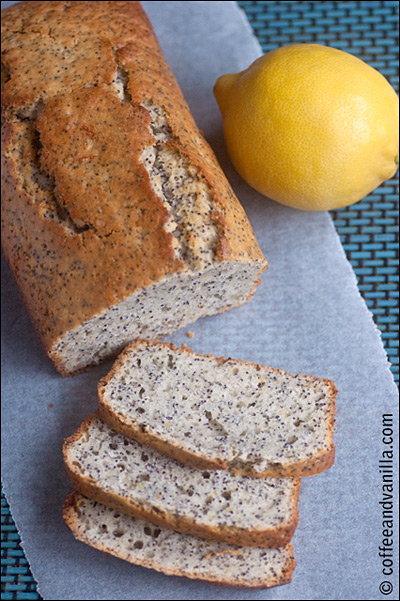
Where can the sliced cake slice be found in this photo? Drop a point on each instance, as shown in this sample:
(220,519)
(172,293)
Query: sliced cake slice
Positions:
(218,413)
(172,553)
(117,471)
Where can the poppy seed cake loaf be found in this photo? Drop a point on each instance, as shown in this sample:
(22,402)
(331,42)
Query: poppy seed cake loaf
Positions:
(173,553)
(218,413)
(117,220)
(117,471)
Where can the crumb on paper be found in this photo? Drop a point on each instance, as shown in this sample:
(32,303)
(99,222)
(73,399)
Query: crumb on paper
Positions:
(190,334)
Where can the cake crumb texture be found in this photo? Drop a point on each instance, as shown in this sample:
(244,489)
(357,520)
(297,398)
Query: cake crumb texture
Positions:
(221,413)
(173,553)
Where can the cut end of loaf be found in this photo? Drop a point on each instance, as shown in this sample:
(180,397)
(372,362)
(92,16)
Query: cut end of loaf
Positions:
(226,413)
(172,553)
(157,310)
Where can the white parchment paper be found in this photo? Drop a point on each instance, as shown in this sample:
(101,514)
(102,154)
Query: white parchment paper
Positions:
(306,317)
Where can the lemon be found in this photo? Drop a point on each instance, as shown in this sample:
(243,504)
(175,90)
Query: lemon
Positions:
(310,126)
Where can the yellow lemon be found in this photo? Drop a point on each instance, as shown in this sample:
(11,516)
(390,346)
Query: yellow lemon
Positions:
(310,126)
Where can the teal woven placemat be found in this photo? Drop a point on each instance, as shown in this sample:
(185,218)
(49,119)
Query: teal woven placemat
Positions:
(368,229)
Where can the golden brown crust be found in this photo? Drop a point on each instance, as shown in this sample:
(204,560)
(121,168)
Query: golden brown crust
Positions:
(71,509)
(110,240)
(66,276)
(278,536)
(128,427)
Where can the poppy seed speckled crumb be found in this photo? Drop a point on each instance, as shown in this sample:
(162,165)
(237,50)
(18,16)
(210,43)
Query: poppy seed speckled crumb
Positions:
(117,471)
(173,553)
(117,220)
(221,413)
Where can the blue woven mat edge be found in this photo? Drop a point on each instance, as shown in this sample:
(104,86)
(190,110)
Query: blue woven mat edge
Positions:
(368,230)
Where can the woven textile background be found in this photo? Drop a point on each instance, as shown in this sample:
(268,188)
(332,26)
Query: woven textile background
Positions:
(368,229)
